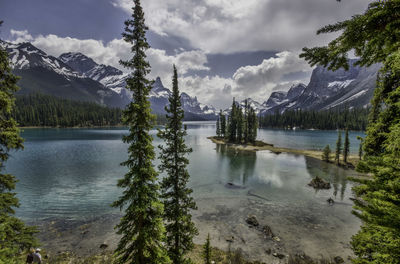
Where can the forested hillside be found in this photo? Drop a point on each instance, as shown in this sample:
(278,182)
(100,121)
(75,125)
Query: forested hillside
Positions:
(45,110)
(355,119)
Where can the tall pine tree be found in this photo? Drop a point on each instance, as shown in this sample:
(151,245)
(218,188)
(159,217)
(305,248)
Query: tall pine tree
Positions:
(14,234)
(218,125)
(338,147)
(177,196)
(142,226)
(374,36)
(346,146)
(232,130)
(223,124)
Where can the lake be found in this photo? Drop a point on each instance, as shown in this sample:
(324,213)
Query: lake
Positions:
(67,181)
(72,173)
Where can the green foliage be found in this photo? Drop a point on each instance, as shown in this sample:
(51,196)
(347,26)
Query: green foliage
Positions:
(355,119)
(222,121)
(242,127)
(207,251)
(174,191)
(326,153)
(14,234)
(141,228)
(218,125)
(360,148)
(375,38)
(338,147)
(50,111)
(346,146)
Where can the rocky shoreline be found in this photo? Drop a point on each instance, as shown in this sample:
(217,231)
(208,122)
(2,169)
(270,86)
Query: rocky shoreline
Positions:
(260,229)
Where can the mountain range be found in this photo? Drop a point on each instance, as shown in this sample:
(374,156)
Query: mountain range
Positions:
(78,77)
(74,75)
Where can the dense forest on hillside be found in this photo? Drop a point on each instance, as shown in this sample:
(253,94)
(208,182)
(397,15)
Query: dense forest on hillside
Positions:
(46,110)
(355,119)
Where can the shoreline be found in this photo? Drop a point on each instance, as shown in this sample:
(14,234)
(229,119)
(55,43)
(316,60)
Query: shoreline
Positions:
(260,145)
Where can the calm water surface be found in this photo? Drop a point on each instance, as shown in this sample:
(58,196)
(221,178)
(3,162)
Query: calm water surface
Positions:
(72,173)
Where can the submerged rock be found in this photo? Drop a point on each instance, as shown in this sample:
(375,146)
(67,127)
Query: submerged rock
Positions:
(278,255)
(103,246)
(252,220)
(338,260)
(231,185)
(267,231)
(330,201)
(318,183)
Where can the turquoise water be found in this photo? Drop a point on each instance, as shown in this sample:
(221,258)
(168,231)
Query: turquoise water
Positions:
(72,173)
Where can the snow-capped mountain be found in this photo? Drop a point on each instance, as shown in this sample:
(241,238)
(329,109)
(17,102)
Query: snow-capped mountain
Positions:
(328,89)
(42,73)
(115,80)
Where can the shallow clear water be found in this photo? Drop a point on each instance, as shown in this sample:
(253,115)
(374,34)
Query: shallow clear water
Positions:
(72,173)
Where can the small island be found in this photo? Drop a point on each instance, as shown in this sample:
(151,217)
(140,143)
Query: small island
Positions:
(238,130)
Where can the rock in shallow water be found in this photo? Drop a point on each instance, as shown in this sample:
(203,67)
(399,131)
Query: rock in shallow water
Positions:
(252,220)
(318,183)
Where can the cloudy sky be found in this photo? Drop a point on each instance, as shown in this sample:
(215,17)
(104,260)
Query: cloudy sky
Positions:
(222,48)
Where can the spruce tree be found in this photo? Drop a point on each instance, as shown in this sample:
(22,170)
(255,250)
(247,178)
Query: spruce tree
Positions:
(14,234)
(141,228)
(360,148)
(223,124)
(326,153)
(246,121)
(346,147)
(338,148)
(175,193)
(207,251)
(232,123)
(239,125)
(218,129)
(374,36)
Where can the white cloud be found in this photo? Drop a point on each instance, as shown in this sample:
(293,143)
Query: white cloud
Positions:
(260,80)
(223,26)
(20,35)
(110,53)
(249,81)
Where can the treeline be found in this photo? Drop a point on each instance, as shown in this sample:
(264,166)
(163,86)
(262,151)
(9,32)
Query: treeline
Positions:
(354,119)
(50,111)
(41,110)
(241,126)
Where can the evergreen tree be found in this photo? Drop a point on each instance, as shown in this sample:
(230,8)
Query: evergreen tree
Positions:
(326,153)
(246,121)
(233,122)
(360,148)
(253,125)
(374,36)
(207,251)
(177,196)
(142,226)
(14,234)
(338,148)
(218,130)
(239,125)
(346,147)
(223,124)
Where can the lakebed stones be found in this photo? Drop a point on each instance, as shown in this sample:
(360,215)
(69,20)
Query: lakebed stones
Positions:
(338,260)
(318,183)
(252,221)
(103,246)
(267,232)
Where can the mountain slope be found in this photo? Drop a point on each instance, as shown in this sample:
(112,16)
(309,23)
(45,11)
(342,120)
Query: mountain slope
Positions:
(327,89)
(115,80)
(42,73)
